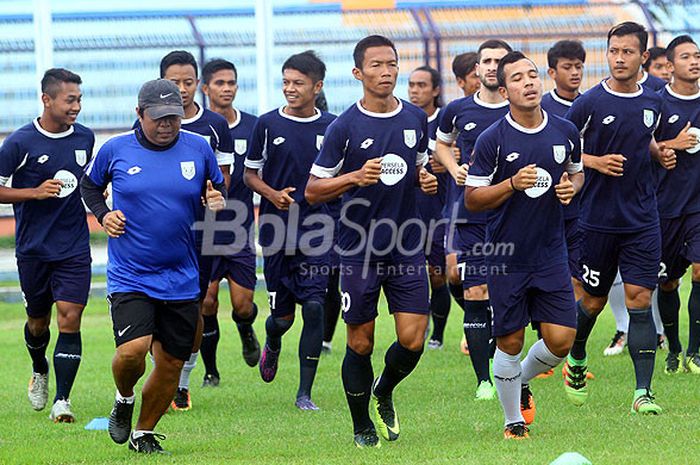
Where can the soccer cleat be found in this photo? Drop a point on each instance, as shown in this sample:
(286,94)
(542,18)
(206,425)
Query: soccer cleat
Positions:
(305,403)
(147,443)
(367,438)
(463,346)
(434,344)
(211,380)
(385,415)
(250,345)
(120,421)
(182,401)
(268,364)
(692,363)
(61,412)
(617,344)
(545,374)
(527,404)
(673,363)
(661,342)
(38,390)
(517,431)
(644,403)
(485,391)
(575,381)
(326,347)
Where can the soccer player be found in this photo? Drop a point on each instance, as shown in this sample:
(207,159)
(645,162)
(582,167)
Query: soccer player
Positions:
(525,166)
(284,145)
(619,220)
(464,70)
(45,159)
(648,79)
(220,84)
(373,155)
(678,193)
(657,64)
(424,88)
(159,175)
(462,122)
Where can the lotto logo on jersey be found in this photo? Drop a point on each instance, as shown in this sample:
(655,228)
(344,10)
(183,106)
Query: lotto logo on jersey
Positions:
(187,169)
(394,168)
(559,152)
(409,138)
(469,126)
(648,118)
(542,185)
(70,183)
(42,159)
(608,119)
(672,119)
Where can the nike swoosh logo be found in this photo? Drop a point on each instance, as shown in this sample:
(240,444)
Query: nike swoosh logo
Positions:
(166,95)
(121,332)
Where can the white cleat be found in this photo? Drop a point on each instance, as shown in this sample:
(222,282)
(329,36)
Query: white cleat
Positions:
(617,344)
(38,390)
(61,412)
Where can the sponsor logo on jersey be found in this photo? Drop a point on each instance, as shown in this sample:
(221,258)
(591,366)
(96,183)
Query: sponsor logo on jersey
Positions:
(70,183)
(469,126)
(608,119)
(42,159)
(673,118)
(394,168)
(512,156)
(366,143)
(542,185)
(133,170)
(278,140)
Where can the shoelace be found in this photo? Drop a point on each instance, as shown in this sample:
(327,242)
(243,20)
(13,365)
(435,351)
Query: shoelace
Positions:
(616,338)
(576,376)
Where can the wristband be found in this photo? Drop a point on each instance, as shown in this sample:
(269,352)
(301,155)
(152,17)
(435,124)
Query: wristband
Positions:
(512,186)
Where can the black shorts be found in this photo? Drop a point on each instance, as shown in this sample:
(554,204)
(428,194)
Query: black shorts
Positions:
(172,322)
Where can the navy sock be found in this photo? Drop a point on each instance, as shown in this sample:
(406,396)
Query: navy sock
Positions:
(309,345)
(669,307)
(478,333)
(275,328)
(694,319)
(36,346)
(641,341)
(245,325)
(439,309)
(399,362)
(584,326)
(357,382)
(457,293)
(210,342)
(332,305)
(66,361)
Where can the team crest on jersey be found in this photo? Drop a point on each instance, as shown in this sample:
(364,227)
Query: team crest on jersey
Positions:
(319,141)
(187,169)
(409,138)
(648,118)
(240,146)
(672,119)
(81,157)
(542,185)
(559,152)
(394,168)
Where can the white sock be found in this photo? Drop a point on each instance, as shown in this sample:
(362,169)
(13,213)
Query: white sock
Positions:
(506,374)
(538,360)
(126,400)
(616,300)
(137,433)
(187,371)
(655,312)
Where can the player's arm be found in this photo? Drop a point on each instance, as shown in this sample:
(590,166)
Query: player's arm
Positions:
(11,155)
(226,173)
(92,187)
(280,199)
(224,152)
(445,137)
(324,187)
(683,141)
(481,196)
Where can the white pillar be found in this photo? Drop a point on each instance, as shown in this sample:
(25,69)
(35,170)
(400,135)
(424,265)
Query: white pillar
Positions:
(264,43)
(43,43)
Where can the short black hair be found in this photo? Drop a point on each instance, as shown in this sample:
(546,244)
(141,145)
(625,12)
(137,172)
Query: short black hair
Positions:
(54,77)
(493,43)
(307,63)
(671,48)
(435,80)
(215,65)
(178,57)
(567,49)
(510,58)
(464,63)
(321,102)
(358,55)
(654,53)
(630,28)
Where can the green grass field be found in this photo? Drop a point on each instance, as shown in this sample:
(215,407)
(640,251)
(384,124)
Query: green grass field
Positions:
(246,421)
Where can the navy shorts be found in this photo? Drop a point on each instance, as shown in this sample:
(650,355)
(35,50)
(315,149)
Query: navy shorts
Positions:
(543,296)
(471,262)
(239,267)
(293,279)
(637,254)
(435,247)
(45,282)
(573,245)
(680,245)
(405,287)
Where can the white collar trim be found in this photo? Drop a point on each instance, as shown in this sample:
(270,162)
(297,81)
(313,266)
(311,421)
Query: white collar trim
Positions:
(53,135)
(238,118)
(520,128)
(682,97)
(198,115)
(481,103)
(607,88)
(559,99)
(381,115)
(317,115)
(645,76)
(435,114)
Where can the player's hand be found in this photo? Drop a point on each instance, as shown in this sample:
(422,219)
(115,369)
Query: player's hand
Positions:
(525,178)
(685,140)
(460,176)
(436,166)
(565,189)
(667,157)
(215,200)
(611,165)
(369,173)
(281,199)
(114,223)
(428,182)
(48,189)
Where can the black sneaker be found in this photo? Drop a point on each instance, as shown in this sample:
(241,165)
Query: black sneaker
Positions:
(673,363)
(211,380)
(251,346)
(120,421)
(367,438)
(147,444)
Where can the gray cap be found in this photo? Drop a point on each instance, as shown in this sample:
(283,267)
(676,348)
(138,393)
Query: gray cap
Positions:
(159,98)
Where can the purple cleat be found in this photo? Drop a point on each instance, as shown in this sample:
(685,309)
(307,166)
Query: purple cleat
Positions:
(305,403)
(268,364)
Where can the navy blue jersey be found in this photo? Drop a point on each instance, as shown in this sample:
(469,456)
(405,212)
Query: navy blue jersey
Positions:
(401,138)
(527,230)
(463,121)
(617,123)
(678,190)
(651,82)
(430,207)
(159,193)
(284,147)
(54,228)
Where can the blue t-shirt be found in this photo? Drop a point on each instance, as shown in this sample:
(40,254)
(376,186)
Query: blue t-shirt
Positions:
(159,193)
(651,82)
(463,121)
(617,123)
(527,230)
(430,207)
(54,228)
(678,190)
(401,138)
(284,147)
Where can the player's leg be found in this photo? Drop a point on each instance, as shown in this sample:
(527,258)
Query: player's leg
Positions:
(241,278)
(440,301)
(210,333)
(692,357)
(661,341)
(331,308)
(616,301)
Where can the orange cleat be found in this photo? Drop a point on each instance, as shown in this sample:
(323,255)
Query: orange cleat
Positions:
(527,404)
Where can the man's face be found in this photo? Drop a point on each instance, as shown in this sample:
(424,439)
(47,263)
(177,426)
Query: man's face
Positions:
(222,88)
(299,89)
(185,77)
(65,107)
(523,85)
(161,131)
(487,66)
(624,57)
(659,68)
(567,75)
(686,62)
(420,89)
(379,72)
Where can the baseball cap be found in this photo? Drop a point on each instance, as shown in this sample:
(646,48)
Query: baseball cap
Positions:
(159,98)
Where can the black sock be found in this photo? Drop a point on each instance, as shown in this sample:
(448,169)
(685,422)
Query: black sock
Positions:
(66,361)
(275,328)
(399,362)
(478,333)
(457,293)
(309,345)
(694,319)
(331,309)
(210,341)
(669,307)
(584,326)
(439,309)
(641,341)
(36,346)
(357,381)
(245,325)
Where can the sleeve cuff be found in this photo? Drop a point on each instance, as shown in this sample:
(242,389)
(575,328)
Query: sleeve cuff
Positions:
(478,181)
(422,159)
(323,172)
(573,168)
(445,137)
(224,158)
(254,164)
